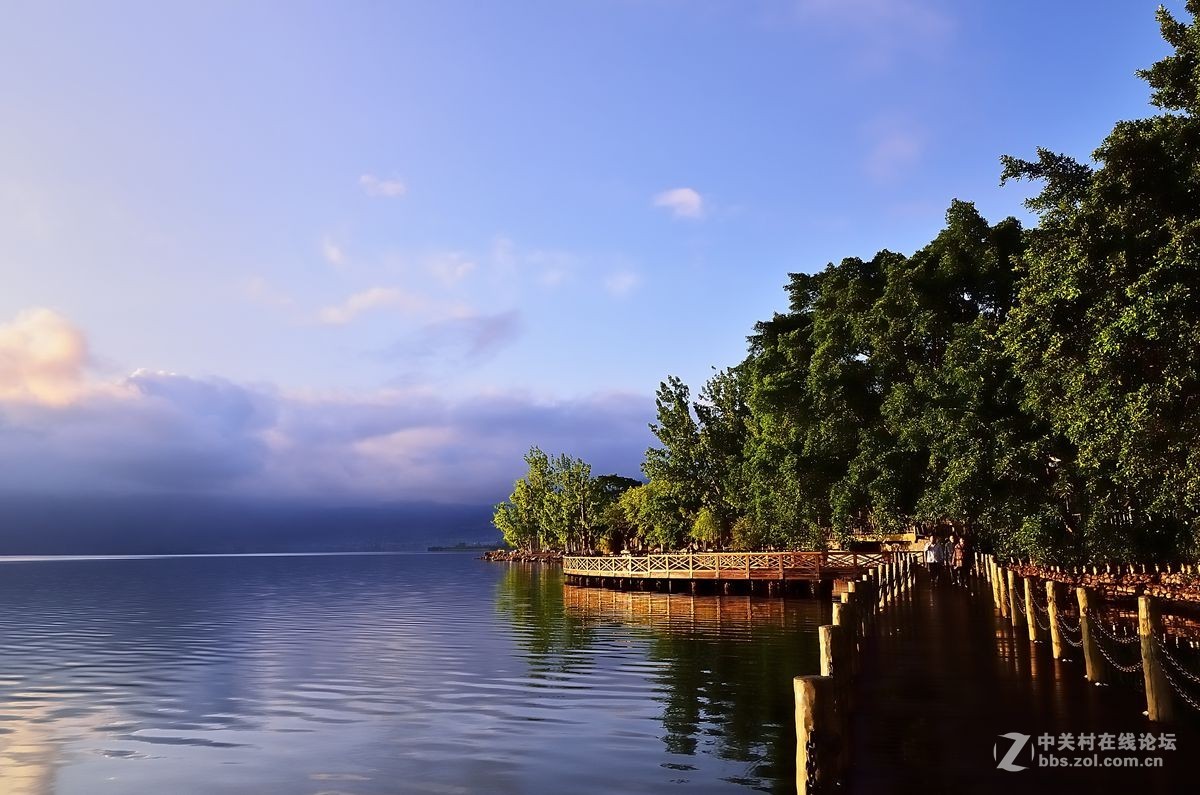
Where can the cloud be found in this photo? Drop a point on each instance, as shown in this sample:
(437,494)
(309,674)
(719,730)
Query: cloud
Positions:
(333,253)
(157,432)
(621,283)
(451,267)
(466,338)
(682,202)
(260,291)
(369,300)
(895,147)
(42,358)
(881,28)
(382,187)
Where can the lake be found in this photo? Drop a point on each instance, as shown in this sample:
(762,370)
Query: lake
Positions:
(386,673)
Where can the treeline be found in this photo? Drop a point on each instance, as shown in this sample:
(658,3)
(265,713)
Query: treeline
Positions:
(1038,388)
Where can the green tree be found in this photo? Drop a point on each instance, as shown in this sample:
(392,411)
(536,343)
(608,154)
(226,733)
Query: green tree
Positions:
(1106,331)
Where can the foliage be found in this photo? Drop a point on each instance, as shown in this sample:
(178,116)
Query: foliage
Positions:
(1036,388)
(558,505)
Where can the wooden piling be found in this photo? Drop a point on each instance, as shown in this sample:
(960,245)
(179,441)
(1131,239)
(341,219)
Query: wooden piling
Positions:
(1013,613)
(818,736)
(1093,662)
(1158,691)
(1001,592)
(1056,644)
(849,620)
(1030,616)
(835,664)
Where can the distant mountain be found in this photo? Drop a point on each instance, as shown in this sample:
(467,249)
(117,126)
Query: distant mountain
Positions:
(97,525)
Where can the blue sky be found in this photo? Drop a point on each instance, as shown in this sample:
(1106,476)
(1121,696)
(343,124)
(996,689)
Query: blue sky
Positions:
(375,250)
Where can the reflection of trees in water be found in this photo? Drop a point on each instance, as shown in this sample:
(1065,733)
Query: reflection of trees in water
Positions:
(531,596)
(728,668)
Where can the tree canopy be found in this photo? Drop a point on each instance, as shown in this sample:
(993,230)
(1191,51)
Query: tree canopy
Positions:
(1038,388)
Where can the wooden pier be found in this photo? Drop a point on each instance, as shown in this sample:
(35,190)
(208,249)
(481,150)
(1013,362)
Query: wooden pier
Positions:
(729,568)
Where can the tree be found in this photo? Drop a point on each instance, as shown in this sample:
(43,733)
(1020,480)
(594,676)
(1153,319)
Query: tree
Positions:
(1106,331)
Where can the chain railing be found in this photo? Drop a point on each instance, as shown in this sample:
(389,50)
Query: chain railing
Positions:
(1097,623)
(1184,696)
(1062,623)
(1125,669)
(1179,666)
(1066,631)
(1037,619)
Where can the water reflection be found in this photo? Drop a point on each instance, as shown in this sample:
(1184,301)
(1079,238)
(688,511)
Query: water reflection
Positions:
(384,674)
(720,667)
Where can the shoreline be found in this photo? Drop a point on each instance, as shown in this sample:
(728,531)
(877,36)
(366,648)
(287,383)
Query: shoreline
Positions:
(519,556)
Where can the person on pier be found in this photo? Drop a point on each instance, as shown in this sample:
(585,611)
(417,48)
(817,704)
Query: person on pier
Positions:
(957,560)
(933,559)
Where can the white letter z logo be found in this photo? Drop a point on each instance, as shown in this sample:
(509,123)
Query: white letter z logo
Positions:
(1018,742)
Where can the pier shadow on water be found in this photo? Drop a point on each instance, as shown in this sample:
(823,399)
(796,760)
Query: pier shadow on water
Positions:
(944,676)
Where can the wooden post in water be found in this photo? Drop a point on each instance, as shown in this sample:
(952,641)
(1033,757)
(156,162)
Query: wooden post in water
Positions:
(1056,644)
(849,616)
(1030,616)
(835,664)
(1013,613)
(998,585)
(1158,690)
(818,739)
(1093,663)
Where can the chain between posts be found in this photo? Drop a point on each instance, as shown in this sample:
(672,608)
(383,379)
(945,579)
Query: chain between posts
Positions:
(1062,623)
(1179,691)
(1038,620)
(1128,669)
(810,771)
(1162,647)
(1098,623)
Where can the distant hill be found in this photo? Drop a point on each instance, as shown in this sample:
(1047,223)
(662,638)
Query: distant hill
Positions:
(35,525)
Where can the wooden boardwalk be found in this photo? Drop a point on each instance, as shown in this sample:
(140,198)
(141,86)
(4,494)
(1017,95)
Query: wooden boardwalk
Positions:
(722,566)
(943,676)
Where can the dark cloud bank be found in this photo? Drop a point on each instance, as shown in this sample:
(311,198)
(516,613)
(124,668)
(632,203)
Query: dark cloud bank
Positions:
(165,463)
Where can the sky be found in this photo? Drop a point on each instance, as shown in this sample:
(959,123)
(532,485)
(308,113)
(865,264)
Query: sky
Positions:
(373,251)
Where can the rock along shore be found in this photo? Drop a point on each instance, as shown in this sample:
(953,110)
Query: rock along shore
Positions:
(517,556)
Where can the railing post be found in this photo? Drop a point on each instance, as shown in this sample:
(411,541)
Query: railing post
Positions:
(1030,616)
(818,739)
(1002,584)
(1158,690)
(834,664)
(851,621)
(1013,614)
(1056,644)
(1093,664)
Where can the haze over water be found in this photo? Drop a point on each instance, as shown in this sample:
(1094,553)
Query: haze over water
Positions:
(385,674)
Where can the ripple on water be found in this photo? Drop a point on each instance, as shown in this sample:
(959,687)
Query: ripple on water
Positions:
(437,672)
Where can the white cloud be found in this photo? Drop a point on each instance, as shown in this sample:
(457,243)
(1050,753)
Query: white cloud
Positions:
(386,188)
(451,267)
(879,30)
(333,253)
(42,357)
(368,300)
(260,291)
(682,202)
(621,283)
(894,148)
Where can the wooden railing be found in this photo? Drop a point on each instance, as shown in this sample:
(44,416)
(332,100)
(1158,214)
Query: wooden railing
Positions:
(725,565)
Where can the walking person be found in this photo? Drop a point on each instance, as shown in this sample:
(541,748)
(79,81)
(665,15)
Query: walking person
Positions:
(933,559)
(958,561)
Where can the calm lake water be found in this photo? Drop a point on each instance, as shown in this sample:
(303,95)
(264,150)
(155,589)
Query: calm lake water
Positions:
(385,674)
